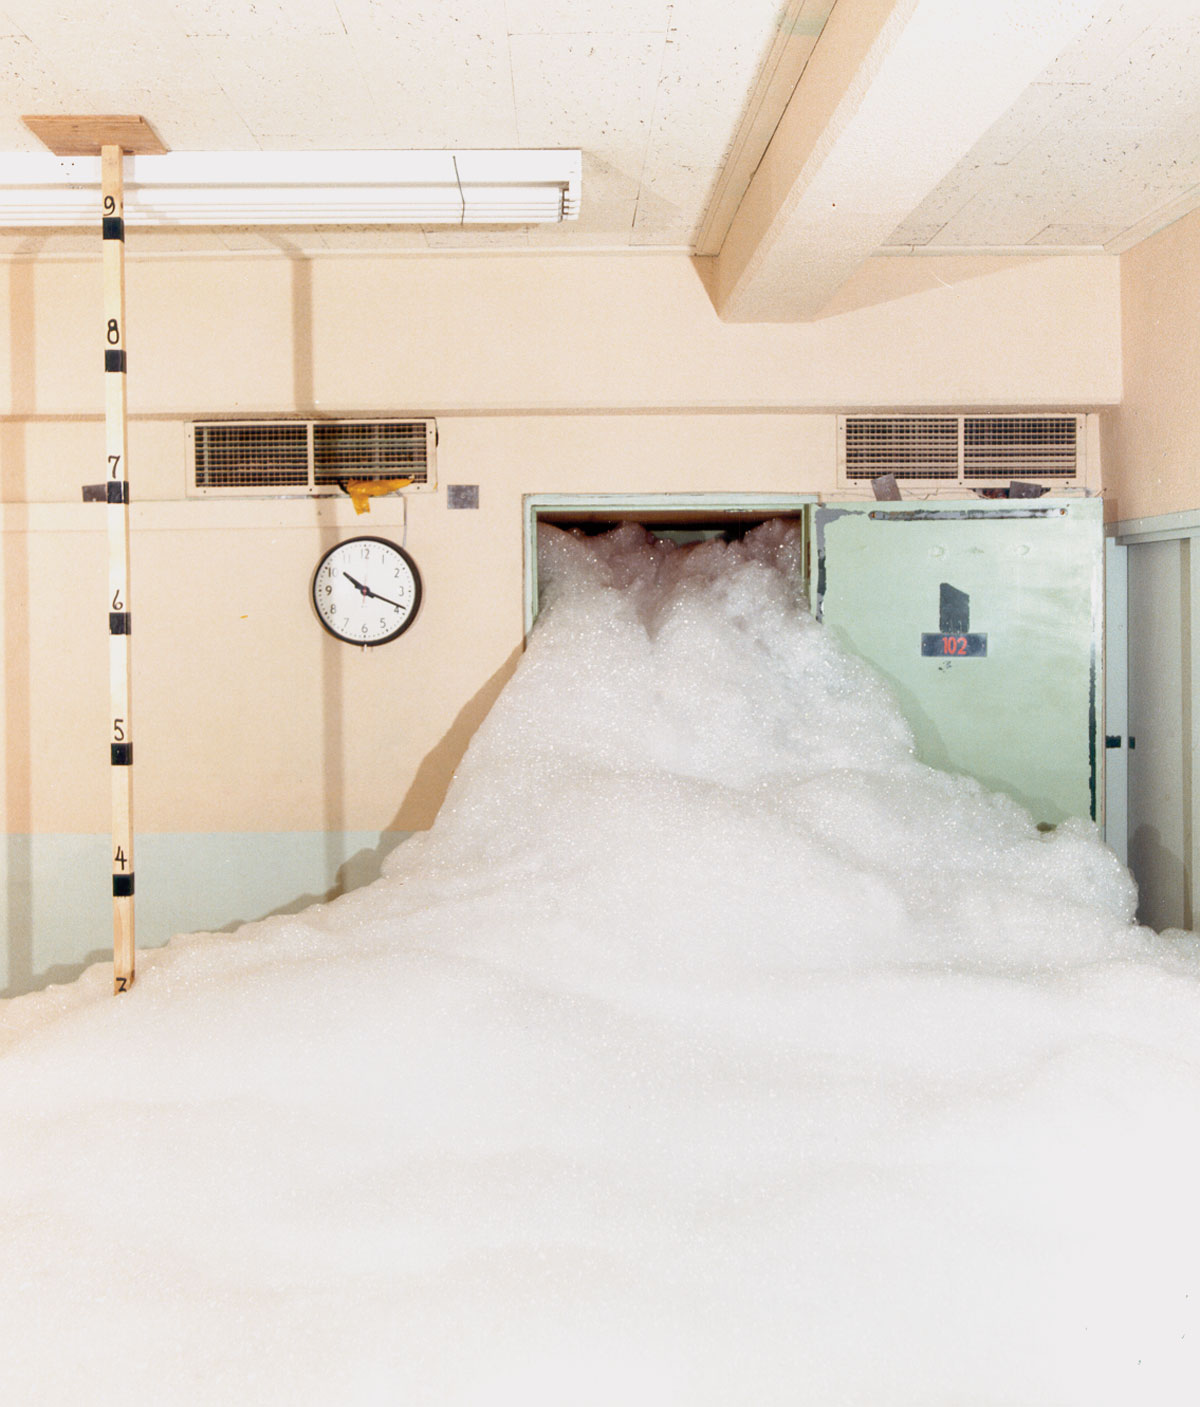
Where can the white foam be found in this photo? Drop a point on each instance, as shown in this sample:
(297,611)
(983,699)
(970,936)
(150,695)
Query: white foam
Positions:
(709,1050)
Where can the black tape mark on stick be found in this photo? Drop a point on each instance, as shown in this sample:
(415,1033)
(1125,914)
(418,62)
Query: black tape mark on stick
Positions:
(113,227)
(118,623)
(114,359)
(122,886)
(122,754)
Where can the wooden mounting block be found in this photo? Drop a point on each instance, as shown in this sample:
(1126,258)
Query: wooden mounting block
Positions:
(84,136)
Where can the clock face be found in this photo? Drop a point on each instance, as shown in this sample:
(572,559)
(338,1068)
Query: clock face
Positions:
(366,591)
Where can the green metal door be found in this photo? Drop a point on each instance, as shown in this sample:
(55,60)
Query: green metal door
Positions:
(986,619)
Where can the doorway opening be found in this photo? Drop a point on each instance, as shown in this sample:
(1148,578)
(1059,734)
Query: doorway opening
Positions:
(678,517)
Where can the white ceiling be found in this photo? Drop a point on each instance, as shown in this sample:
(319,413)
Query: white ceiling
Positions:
(652,91)
(974,124)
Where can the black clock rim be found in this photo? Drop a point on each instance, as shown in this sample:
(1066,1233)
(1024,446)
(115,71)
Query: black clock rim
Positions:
(417,590)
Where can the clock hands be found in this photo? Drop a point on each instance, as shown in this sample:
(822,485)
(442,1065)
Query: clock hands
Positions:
(366,591)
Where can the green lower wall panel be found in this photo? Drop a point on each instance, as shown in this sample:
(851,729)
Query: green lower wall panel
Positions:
(57,890)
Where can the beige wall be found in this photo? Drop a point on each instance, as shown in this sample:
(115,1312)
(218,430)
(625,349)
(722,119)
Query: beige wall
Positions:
(578,373)
(451,335)
(1152,443)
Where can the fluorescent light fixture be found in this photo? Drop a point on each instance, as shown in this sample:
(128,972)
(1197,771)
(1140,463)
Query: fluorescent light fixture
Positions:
(299,188)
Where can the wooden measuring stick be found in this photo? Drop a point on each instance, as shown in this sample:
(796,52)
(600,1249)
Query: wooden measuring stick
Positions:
(117,491)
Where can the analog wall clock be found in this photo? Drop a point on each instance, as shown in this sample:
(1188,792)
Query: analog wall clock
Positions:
(366,591)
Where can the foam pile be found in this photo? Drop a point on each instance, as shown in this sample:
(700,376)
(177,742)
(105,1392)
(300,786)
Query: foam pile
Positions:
(708,1050)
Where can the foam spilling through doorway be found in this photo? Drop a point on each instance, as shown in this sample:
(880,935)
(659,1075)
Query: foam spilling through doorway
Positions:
(709,1049)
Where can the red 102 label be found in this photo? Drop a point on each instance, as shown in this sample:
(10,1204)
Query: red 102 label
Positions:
(939,646)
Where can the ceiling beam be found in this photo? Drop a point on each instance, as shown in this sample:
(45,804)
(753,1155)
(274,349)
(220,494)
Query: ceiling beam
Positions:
(796,34)
(895,94)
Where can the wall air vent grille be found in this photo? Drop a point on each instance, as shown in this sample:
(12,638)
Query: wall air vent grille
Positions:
(908,446)
(285,458)
(231,456)
(961,449)
(1020,447)
(370,449)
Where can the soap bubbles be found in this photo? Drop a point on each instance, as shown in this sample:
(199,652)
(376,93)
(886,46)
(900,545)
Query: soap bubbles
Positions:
(710,1049)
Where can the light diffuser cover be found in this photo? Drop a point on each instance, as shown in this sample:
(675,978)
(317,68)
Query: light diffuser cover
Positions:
(299,188)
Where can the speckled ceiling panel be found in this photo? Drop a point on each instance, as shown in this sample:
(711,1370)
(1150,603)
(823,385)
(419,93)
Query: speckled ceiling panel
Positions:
(653,91)
(699,99)
(1109,133)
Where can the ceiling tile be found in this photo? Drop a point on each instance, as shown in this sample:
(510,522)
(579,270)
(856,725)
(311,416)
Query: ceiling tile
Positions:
(914,232)
(595,92)
(700,98)
(307,93)
(247,239)
(29,85)
(389,239)
(589,16)
(258,19)
(1073,159)
(129,59)
(995,216)
(611,233)
(1104,45)
(410,59)
(653,91)
(468,238)
(1083,236)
